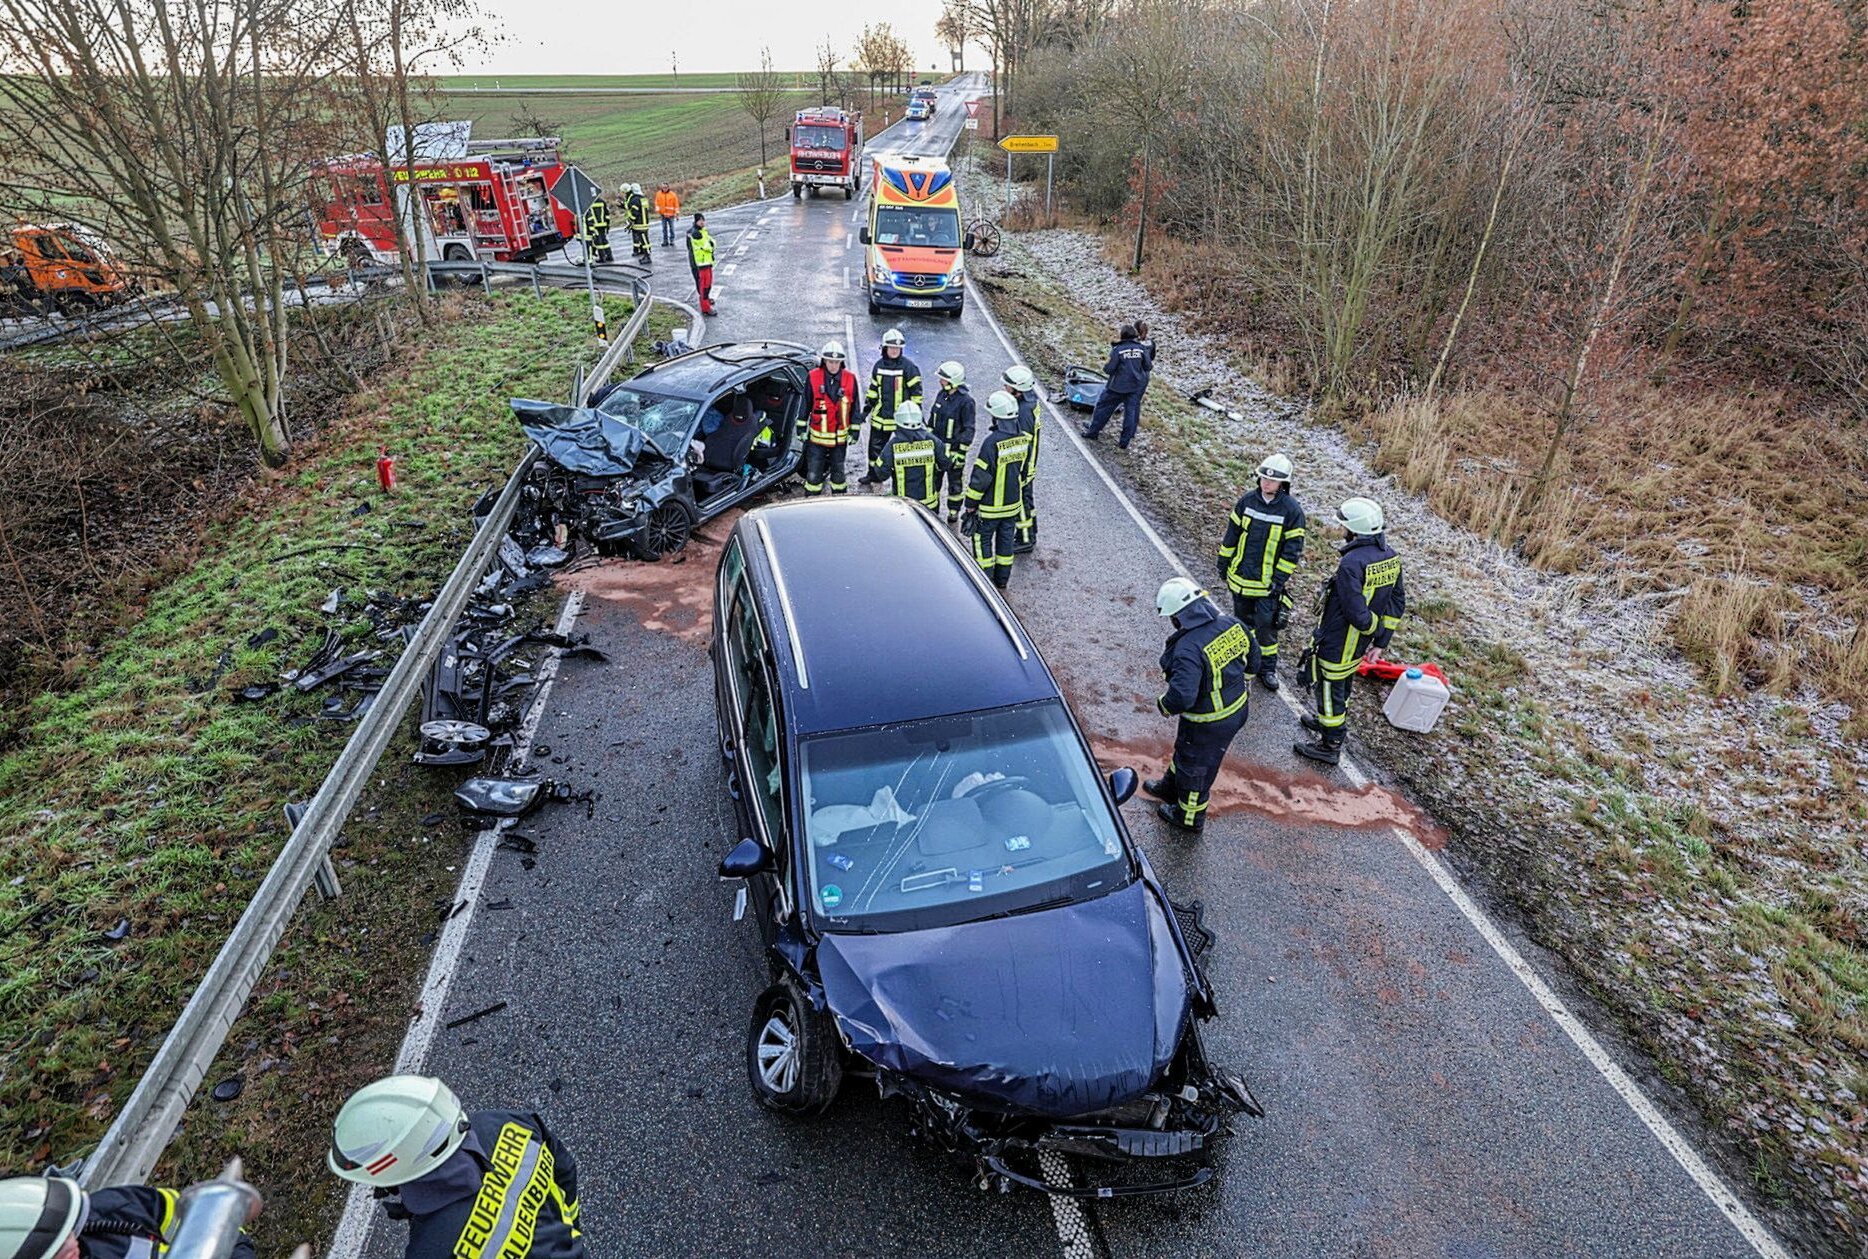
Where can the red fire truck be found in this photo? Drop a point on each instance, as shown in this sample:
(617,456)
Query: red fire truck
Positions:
(471,199)
(826,151)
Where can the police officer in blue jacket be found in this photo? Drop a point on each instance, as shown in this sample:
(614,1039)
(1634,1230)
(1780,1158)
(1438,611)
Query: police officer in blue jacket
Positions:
(1127,369)
(1208,659)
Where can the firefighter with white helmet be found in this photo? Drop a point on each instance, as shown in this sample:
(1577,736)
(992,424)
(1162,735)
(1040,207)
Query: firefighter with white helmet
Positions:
(951,418)
(1263,545)
(1363,602)
(636,215)
(829,422)
(1206,663)
(486,1184)
(995,490)
(914,462)
(892,381)
(51,1217)
(1023,386)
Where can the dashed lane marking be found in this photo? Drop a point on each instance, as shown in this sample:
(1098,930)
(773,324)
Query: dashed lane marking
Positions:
(729,268)
(1073,1226)
(1709,1181)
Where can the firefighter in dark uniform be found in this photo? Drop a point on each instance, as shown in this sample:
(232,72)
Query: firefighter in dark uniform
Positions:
(1363,602)
(1023,386)
(1206,662)
(915,461)
(493,1184)
(995,493)
(1264,542)
(1127,369)
(951,422)
(828,422)
(892,381)
(50,1217)
(597,231)
(636,216)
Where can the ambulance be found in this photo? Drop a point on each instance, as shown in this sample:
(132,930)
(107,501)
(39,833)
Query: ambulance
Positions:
(914,254)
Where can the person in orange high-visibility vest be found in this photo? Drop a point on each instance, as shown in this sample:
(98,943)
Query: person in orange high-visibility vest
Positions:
(826,427)
(668,206)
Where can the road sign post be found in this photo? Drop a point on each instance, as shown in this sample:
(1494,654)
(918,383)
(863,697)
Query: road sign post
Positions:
(1028,144)
(577,192)
(1050,165)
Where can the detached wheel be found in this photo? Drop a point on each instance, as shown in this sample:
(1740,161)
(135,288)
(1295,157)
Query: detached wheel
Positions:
(791,1053)
(665,532)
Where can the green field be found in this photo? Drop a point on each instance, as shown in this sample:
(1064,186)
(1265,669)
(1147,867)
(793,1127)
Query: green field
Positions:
(524,82)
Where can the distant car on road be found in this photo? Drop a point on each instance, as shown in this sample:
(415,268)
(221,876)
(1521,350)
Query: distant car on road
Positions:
(918,110)
(927,96)
(948,899)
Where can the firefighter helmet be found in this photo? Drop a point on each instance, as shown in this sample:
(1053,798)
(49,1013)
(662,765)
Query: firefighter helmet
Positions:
(832,349)
(1002,405)
(38,1214)
(1275,468)
(894,337)
(1361,516)
(1175,595)
(1019,377)
(952,373)
(908,415)
(396,1130)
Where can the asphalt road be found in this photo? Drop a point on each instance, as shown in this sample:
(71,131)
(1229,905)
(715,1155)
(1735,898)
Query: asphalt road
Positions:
(1419,1101)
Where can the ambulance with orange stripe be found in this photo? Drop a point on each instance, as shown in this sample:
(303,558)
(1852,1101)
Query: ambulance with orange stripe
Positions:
(914,254)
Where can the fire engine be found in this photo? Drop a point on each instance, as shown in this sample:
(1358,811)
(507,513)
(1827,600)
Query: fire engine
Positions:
(471,199)
(826,151)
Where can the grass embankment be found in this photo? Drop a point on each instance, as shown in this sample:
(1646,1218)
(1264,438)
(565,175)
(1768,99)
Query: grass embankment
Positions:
(1708,893)
(145,792)
(706,146)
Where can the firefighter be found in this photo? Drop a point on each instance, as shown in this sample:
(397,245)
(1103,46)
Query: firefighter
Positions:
(1023,386)
(1264,542)
(995,494)
(491,1184)
(638,219)
(668,209)
(1127,370)
(892,381)
(1363,602)
(952,425)
(50,1217)
(1206,662)
(914,462)
(828,423)
(700,261)
(597,230)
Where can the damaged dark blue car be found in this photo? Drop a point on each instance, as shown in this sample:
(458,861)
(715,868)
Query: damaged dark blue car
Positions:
(949,901)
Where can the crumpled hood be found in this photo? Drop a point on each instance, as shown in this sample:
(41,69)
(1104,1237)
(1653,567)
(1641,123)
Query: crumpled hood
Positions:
(580,439)
(1054,1013)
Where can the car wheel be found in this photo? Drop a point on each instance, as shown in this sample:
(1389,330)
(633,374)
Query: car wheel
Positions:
(791,1053)
(873,308)
(665,531)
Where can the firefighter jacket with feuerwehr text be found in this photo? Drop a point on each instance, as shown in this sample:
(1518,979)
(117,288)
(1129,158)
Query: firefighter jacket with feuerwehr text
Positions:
(892,381)
(1263,543)
(1208,658)
(1362,604)
(951,420)
(1127,367)
(525,1206)
(833,405)
(1031,423)
(638,208)
(997,487)
(912,464)
(136,1222)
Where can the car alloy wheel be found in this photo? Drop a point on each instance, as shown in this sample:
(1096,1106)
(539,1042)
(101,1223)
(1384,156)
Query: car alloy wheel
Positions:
(793,1060)
(778,1052)
(665,531)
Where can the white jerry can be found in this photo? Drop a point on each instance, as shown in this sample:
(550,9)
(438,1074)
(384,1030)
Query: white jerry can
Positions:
(1416,701)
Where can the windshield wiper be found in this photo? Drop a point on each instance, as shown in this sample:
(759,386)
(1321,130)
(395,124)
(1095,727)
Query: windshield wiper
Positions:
(1055,902)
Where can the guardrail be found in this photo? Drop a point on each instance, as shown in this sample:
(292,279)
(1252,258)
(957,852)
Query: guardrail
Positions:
(143,1128)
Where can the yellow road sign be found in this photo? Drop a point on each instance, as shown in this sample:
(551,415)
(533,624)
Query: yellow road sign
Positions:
(1029,144)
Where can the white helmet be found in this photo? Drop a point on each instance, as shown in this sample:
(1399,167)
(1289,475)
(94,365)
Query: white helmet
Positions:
(38,1214)
(894,337)
(952,373)
(1019,377)
(1175,594)
(1361,516)
(908,415)
(1275,468)
(1002,405)
(396,1130)
(832,349)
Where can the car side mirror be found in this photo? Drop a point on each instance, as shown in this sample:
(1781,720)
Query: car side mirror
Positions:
(863,235)
(1122,784)
(750,857)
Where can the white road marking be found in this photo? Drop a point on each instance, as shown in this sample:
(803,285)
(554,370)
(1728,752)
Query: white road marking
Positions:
(1709,1181)
(354,1227)
(729,268)
(752,235)
(1073,1227)
(846,277)
(849,239)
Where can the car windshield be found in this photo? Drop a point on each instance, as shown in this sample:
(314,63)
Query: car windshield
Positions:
(900,225)
(666,422)
(817,138)
(956,819)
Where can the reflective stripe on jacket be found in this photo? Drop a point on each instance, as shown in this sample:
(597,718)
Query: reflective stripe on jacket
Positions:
(136,1222)
(700,248)
(526,1206)
(638,210)
(1031,423)
(913,461)
(996,489)
(1363,602)
(951,419)
(1263,543)
(832,401)
(597,217)
(1206,662)
(892,381)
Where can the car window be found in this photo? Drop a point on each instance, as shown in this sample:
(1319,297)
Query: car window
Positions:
(956,819)
(667,422)
(752,681)
(897,225)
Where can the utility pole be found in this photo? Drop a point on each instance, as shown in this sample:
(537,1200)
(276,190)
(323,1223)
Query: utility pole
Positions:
(674,67)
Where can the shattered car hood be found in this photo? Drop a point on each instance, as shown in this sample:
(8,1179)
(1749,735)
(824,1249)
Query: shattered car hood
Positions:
(1053,1013)
(580,439)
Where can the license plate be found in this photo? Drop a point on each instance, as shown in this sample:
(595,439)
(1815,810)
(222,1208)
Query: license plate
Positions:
(915,304)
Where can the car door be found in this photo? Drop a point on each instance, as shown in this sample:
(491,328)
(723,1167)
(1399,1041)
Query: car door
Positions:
(750,723)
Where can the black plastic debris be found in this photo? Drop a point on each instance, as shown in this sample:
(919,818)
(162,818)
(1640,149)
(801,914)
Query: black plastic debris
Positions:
(229,1088)
(326,663)
(477,1015)
(517,842)
(257,692)
(434,819)
(119,932)
(263,637)
(361,509)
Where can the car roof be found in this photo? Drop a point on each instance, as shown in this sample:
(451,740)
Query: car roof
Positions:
(702,373)
(878,616)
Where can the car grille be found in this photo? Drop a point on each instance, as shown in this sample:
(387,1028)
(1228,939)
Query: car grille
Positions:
(819,164)
(912,280)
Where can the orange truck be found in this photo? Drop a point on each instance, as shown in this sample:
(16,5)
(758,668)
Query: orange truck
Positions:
(914,258)
(58,266)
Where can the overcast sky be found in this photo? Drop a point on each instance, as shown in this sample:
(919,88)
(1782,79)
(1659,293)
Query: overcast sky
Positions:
(608,37)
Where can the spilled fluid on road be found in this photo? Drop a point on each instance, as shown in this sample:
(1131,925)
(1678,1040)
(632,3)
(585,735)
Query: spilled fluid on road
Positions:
(673,597)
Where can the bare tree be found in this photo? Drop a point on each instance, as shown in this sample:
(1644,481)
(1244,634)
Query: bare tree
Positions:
(953,29)
(827,62)
(761,95)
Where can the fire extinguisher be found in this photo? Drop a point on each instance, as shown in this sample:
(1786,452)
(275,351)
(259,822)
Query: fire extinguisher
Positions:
(386,470)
